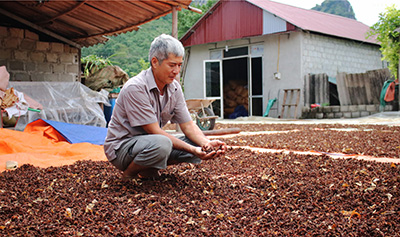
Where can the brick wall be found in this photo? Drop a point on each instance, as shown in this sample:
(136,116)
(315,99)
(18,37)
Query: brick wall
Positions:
(29,59)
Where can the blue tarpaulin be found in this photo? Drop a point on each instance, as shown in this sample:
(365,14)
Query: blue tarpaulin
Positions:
(78,133)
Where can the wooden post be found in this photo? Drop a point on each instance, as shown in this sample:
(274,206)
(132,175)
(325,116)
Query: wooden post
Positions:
(175,35)
(174,22)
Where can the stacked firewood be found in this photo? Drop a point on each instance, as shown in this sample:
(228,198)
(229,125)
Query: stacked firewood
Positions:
(235,94)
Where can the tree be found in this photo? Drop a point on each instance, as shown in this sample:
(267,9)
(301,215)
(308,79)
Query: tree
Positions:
(187,18)
(336,7)
(385,31)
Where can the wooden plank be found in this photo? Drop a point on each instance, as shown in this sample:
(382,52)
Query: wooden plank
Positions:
(174,22)
(377,78)
(318,89)
(291,92)
(307,91)
(357,89)
(361,88)
(339,86)
(213,132)
(349,88)
(312,89)
(362,80)
(287,106)
(283,104)
(297,103)
(322,88)
(222,131)
(368,90)
(342,89)
(325,88)
(354,91)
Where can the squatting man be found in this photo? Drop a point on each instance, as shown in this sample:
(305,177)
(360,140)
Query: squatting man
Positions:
(136,143)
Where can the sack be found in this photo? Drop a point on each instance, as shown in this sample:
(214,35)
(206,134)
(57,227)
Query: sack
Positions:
(9,98)
(4,78)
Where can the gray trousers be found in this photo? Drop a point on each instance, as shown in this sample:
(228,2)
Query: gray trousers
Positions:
(152,150)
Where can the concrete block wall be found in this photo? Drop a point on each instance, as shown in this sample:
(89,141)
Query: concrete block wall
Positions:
(29,59)
(322,54)
(345,111)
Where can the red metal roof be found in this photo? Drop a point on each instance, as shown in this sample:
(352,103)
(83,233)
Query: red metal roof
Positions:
(232,19)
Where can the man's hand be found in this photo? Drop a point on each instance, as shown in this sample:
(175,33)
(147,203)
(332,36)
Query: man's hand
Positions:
(211,150)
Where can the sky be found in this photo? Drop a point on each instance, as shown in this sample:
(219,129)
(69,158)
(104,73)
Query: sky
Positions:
(366,11)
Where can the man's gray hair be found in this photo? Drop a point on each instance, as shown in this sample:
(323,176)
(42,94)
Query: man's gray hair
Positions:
(163,45)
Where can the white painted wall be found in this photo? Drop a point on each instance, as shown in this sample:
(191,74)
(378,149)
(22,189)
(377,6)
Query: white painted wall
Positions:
(194,78)
(272,24)
(288,46)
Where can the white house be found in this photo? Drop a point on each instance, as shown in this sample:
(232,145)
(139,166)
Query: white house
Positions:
(266,48)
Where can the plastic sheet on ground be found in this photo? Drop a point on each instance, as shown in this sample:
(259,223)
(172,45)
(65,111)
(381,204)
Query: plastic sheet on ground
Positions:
(69,102)
(44,147)
(72,133)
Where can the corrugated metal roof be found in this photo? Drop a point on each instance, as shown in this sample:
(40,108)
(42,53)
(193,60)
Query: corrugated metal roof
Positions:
(210,24)
(85,22)
(317,21)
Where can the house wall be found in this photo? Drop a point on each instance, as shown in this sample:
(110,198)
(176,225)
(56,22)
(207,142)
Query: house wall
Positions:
(294,55)
(27,58)
(281,54)
(323,54)
(304,53)
(289,65)
(194,76)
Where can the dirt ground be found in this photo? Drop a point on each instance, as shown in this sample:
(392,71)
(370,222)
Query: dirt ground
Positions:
(300,178)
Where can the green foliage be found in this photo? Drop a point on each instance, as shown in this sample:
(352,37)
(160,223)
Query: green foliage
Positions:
(336,7)
(384,29)
(187,18)
(132,48)
(93,63)
(143,64)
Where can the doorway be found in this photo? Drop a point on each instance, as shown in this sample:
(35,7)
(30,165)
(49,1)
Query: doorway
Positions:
(238,100)
(235,87)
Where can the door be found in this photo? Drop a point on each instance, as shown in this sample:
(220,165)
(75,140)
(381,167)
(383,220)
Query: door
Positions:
(256,85)
(213,84)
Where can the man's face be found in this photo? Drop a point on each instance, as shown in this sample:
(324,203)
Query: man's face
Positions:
(166,72)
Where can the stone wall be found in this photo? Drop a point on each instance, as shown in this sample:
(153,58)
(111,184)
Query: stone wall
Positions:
(345,111)
(27,58)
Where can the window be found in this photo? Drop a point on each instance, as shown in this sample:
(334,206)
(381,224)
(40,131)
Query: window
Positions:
(234,52)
